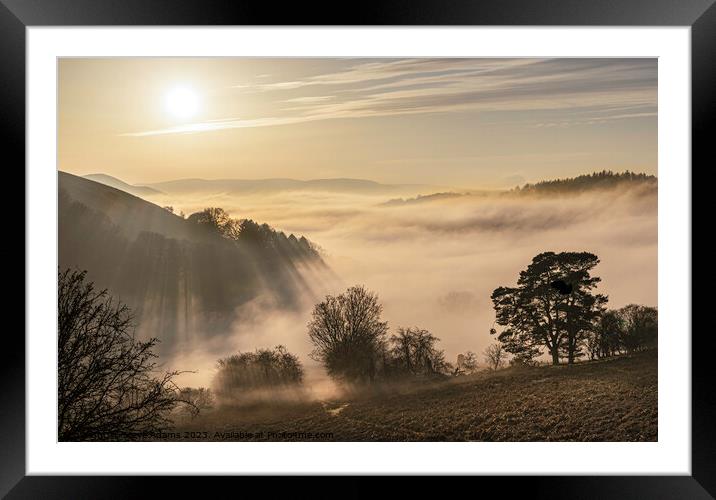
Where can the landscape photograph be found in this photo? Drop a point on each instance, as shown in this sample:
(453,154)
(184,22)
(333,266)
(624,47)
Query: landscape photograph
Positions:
(357,249)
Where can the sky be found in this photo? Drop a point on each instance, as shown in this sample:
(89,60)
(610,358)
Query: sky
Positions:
(473,123)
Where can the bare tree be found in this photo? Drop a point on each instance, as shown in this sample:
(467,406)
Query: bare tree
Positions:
(414,351)
(348,335)
(640,327)
(200,399)
(494,355)
(108,388)
(466,363)
(604,340)
(402,349)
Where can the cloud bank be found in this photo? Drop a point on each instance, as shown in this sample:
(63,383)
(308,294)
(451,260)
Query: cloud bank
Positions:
(435,264)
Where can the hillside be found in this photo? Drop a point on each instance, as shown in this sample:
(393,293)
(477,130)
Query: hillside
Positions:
(605,179)
(181,279)
(595,182)
(134,214)
(108,180)
(397,202)
(606,400)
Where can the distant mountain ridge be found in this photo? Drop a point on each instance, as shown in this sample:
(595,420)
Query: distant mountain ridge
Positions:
(108,180)
(185,186)
(598,180)
(248,186)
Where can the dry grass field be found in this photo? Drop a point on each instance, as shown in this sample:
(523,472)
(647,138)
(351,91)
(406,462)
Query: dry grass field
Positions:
(611,400)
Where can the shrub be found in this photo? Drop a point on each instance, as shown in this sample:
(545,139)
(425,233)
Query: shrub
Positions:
(262,369)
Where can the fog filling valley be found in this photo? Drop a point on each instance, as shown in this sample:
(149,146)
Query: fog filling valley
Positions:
(432,261)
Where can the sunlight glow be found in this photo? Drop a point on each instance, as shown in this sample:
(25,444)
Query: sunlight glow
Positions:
(181,102)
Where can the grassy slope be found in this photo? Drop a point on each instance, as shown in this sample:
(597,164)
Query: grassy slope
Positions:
(613,400)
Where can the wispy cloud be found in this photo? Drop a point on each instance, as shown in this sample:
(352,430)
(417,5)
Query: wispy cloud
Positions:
(580,91)
(594,121)
(310,99)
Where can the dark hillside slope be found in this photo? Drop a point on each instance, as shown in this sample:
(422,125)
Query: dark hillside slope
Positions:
(131,212)
(182,281)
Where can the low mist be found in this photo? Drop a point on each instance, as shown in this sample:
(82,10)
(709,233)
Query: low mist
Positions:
(433,263)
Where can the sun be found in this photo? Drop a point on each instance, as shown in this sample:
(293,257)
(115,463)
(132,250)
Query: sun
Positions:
(181,102)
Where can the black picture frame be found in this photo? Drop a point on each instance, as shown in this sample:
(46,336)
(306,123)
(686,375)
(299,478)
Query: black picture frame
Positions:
(16,15)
